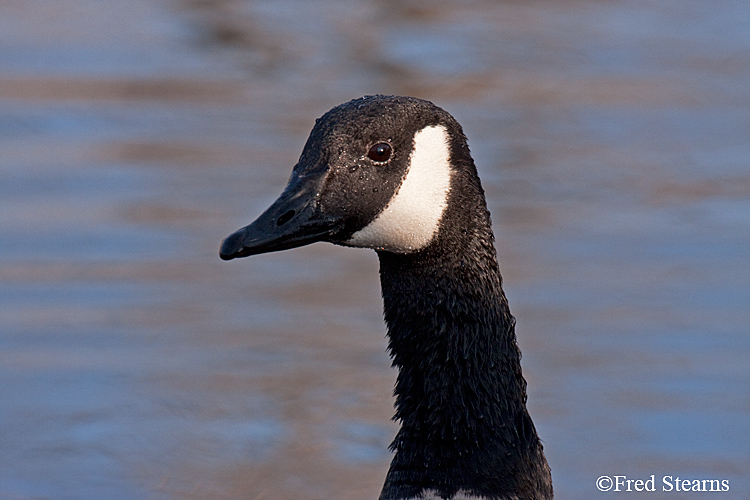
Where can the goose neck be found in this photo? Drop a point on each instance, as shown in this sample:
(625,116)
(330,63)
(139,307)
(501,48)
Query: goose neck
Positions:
(460,393)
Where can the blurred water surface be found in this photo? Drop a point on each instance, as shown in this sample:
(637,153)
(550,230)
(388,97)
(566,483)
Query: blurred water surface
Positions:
(613,142)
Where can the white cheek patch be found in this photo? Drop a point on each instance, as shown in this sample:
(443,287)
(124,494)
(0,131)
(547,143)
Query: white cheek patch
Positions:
(412,217)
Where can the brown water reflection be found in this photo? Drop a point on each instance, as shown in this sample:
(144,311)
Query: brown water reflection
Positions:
(612,139)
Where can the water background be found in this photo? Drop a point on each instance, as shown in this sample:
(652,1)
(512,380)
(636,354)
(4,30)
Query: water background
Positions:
(612,138)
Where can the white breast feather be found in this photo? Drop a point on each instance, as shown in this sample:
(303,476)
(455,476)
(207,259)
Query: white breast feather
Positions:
(460,495)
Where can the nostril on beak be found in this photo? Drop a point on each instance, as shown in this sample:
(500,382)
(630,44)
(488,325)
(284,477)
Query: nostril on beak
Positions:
(284,218)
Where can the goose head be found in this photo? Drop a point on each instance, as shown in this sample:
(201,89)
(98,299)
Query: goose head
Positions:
(375,172)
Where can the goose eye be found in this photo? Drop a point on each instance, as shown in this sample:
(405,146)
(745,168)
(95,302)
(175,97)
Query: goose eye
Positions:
(380,152)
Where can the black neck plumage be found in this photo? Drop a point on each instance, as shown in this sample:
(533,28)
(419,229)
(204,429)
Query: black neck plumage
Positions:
(460,394)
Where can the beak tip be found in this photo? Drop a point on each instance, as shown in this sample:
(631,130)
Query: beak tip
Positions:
(231,247)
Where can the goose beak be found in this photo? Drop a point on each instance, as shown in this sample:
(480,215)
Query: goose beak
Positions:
(291,221)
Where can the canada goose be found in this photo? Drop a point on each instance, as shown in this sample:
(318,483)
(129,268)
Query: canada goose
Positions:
(395,174)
